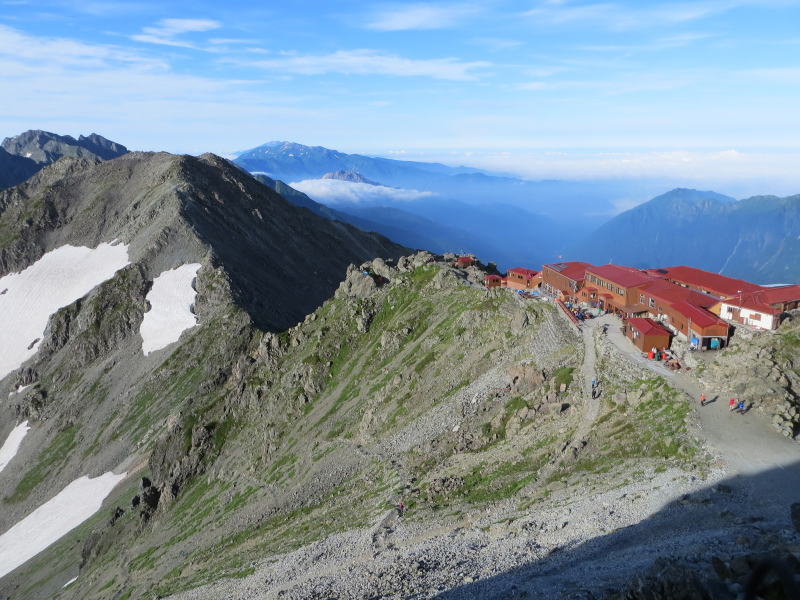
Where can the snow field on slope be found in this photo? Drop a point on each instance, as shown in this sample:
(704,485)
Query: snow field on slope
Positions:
(170,314)
(53,519)
(30,297)
(12,444)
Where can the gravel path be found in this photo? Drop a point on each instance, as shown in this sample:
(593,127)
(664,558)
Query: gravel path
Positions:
(745,443)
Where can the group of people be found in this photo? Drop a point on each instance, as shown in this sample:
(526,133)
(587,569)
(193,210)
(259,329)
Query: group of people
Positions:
(738,407)
(734,405)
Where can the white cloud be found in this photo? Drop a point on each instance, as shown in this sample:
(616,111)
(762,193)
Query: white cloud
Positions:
(166,31)
(623,18)
(130,97)
(27,51)
(373,62)
(421,16)
(335,191)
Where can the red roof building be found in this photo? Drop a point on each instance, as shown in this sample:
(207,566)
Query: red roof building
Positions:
(616,288)
(696,322)
(465,261)
(705,281)
(658,293)
(646,334)
(762,308)
(520,278)
(492,281)
(564,278)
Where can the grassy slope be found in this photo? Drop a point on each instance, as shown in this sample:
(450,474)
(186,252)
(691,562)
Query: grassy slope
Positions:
(311,437)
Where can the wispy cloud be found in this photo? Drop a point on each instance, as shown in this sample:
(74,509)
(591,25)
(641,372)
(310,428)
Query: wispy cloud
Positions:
(127,96)
(166,31)
(421,16)
(622,18)
(658,44)
(374,62)
(629,84)
(496,44)
(31,51)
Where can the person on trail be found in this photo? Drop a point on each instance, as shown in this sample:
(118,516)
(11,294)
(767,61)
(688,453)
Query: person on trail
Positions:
(741,409)
(731,403)
(401,508)
(594,383)
(702,399)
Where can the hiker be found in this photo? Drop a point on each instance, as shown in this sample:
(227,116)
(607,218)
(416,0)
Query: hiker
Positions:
(594,383)
(741,409)
(731,403)
(702,399)
(401,508)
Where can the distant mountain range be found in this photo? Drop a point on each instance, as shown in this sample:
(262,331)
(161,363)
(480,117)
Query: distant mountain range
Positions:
(439,208)
(580,204)
(756,239)
(25,154)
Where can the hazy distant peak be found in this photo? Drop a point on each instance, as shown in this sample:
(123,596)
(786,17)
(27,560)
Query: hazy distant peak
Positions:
(348,175)
(692,195)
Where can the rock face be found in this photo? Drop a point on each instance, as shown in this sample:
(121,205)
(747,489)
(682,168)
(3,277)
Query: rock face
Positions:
(15,169)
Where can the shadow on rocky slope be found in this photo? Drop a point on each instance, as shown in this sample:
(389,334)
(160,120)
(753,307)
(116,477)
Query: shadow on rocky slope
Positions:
(709,544)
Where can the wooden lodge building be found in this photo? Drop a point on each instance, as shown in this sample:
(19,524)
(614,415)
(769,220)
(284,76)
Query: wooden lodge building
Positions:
(520,278)
(493,281)
(647,333)
(564,279)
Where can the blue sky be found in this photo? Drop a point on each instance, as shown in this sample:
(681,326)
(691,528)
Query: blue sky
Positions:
(704,91)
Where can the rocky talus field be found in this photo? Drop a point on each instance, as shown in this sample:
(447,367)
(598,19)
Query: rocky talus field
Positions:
(262,452)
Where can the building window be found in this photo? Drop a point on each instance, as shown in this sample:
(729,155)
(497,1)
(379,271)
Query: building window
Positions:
(651,302)
(730,310)
(641,298)
(755,316)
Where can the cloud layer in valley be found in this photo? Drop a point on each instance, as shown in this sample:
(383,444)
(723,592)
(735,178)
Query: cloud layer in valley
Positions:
(334,191)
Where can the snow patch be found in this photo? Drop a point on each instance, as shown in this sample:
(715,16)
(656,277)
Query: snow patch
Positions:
(53,519)
(54,281)
(28,154)
(170,314)
(70,582)
(19,390)
(12,444)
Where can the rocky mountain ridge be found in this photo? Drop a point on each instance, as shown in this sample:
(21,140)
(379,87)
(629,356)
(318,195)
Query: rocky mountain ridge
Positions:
(23,155)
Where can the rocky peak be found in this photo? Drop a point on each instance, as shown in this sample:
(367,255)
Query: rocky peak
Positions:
(45,147)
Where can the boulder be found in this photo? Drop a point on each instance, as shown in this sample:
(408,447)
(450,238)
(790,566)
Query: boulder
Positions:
(525,378)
